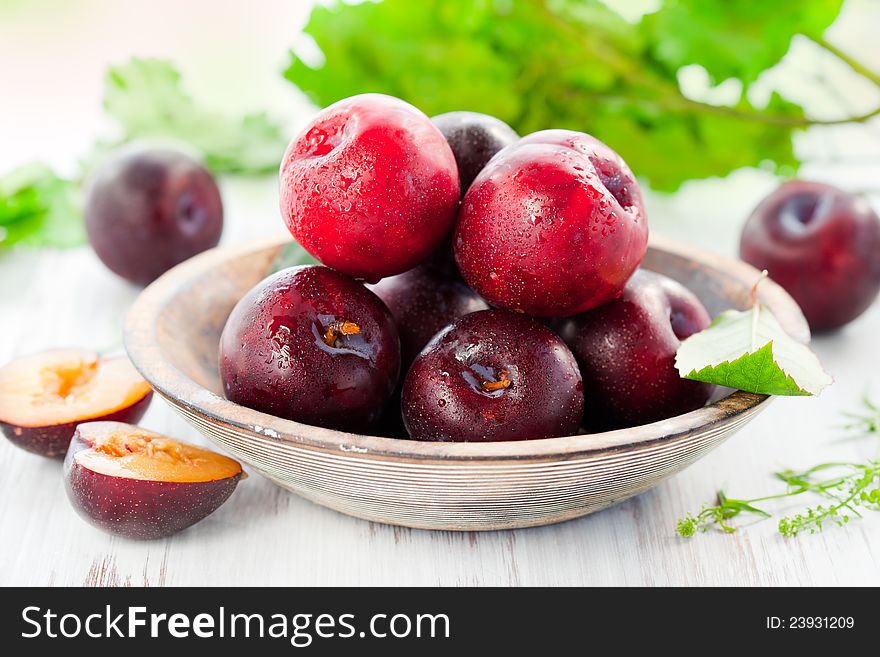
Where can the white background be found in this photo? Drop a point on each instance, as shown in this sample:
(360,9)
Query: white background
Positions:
(53,55)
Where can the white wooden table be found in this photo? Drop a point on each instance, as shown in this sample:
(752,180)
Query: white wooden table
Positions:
(264,535)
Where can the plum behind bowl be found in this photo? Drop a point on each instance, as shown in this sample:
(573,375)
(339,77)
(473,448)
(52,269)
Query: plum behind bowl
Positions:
(172,334)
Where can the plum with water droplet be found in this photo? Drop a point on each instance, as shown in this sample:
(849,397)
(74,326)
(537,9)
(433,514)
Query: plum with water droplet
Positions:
(312,345)
(626,351)
(493,375)
(148,209)
(822,245)
(370,187)
(423,301)
(554,225)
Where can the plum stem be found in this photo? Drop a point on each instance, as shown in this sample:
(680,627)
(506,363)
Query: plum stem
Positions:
(335,329)
(502,382)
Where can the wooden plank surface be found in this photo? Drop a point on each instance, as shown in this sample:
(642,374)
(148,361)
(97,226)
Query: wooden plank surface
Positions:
(264,535)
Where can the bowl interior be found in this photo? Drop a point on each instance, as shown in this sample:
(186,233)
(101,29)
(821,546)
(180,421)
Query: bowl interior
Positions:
(173,334)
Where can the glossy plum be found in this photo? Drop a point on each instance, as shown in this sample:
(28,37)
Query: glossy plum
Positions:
(423,301)
(822,245)
(148,209)
(554,225)
(626,351)
(138,484)
(369,187)
(493,376)
(312,345)
(474,139)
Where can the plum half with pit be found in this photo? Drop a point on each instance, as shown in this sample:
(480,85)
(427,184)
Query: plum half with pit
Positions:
(493,375)
(626,351)
(822,245)
(554,225)
(135,483)
(44,396)
(312,345)
(474,139)
(148,209)
(369,187)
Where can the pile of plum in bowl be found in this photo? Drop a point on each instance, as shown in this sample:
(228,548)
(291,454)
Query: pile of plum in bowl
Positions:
(471,330)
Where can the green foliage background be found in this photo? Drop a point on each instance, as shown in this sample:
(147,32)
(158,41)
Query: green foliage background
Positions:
(577,64)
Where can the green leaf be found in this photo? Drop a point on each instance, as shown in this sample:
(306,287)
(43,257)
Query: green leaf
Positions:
(39,209)
(290,255)
(749,350)
(733,38)
(575,64)
(147,99)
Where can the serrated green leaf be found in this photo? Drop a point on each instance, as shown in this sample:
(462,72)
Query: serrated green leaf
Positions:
(576,65)
(147,98)
(749,350)
(733,38)
(39,209)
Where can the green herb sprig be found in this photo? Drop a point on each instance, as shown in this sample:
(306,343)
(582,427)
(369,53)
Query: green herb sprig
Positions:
(846,489)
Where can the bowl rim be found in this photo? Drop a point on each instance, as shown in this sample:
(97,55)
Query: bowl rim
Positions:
(144,350)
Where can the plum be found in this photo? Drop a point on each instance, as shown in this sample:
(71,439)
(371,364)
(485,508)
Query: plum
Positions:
(474,139)
(423,301)
(369,187)
(626,351)
(148,209)
(493,375)
(312,345)
(44,396)
(554,225)
(822,245)
(139,484)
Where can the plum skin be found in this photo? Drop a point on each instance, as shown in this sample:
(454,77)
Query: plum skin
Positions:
(554,225)
(423,301)
(148,209)
(822,245)
(53,440)
(274,356)
(370,187)
(626,351)
(454,390)
(136,508)
(474,139)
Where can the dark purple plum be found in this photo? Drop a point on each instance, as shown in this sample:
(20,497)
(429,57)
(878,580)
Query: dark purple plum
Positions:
(135,483)
(822,245)
(312,345)
(474,139)
(626,351)
(493,376)
(148,209)
(423,301)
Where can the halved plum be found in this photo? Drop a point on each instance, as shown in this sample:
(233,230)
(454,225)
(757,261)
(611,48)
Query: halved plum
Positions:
(135,483)
(44,396)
